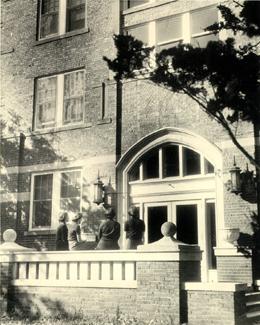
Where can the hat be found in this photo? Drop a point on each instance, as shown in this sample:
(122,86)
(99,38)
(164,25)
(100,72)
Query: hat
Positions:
(63,216)
(110,212)
(77,217)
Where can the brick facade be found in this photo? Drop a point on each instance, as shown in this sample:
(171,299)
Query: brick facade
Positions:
(106,133)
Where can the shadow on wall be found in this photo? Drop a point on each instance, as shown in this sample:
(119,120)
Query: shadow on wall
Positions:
(16,150)
(249,244)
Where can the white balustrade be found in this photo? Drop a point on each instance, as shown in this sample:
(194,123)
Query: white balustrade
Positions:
(78,269)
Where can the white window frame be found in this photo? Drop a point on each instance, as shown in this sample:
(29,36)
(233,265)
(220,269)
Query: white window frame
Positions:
(62,20)
(187,34)
(56,197)
(59,109)
(181,172)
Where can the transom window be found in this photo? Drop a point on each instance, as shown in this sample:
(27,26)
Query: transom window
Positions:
(52,193)
(60,16)
(170,160)
(169,31)
(60,99)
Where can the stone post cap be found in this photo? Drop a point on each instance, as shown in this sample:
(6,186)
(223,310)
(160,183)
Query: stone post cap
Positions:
(168,242)
(9,244)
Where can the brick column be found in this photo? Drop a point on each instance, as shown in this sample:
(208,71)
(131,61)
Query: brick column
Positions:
(234,266)
(216,303)
(164,265)
(7,259)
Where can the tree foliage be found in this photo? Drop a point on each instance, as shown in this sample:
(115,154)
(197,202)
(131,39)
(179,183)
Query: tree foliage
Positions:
(223,77)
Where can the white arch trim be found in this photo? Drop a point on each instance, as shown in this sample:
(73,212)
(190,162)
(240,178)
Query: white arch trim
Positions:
(174,135)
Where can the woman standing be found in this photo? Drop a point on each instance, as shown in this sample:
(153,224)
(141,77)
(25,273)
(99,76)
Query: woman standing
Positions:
(62,243)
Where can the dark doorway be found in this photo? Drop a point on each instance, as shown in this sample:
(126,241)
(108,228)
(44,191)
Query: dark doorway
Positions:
(156,217)
(187,226)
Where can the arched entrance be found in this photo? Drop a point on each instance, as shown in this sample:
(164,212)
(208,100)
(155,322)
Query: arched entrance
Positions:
(174,175)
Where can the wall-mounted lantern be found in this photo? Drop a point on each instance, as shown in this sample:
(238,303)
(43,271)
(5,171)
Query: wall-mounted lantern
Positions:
(235,179)
(103,194)
(98,191)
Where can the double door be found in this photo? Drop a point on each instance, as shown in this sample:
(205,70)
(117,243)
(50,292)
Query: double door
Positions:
(196,224)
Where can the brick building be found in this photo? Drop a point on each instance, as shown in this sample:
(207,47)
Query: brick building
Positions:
(65,122)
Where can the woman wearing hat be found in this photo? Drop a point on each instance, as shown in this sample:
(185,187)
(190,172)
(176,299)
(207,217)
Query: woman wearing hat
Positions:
(74,232)
(62,243)
(109,232)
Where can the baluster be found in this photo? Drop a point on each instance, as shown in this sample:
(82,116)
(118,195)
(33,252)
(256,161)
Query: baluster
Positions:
(22,270)
(129,271)
(42,275)
(32,271)
(94,270)
(52,271)
(117,271)
(73,271)
(105,271)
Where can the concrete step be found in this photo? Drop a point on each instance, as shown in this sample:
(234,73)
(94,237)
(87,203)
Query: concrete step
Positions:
(253,307)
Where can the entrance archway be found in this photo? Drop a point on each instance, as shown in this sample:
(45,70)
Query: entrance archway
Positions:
(175,175)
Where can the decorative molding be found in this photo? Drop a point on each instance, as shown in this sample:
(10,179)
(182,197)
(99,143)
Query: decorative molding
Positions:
(214,286)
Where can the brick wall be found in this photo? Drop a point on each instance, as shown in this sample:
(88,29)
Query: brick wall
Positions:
(218,308)
(236,269)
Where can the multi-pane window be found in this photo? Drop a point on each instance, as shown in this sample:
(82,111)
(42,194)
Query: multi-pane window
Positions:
(199,20)
(52,193)
(169,32)
(188,27)
(140,32)
(70,191)
(60,16)
(60,99)
(74,84)
(49,19)
(46,102)
(42,201)
(171,160)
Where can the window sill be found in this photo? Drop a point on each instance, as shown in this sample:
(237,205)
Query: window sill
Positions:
(59,37)
(37,232)
(62,128)
(146,6)
(104,121)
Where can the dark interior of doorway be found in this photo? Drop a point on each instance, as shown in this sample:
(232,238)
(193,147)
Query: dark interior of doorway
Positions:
(187,225)
(156,217)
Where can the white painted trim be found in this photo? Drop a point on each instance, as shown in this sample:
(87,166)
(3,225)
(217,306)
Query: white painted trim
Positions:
(214,286)
(86,163)
(183,253)
(76,283)
(56,183)
(222,251)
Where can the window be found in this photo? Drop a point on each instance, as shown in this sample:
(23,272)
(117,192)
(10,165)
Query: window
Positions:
(151,165)
(168,32)
(50,111)
(60,16)
(140,32)
(191,162)
(70,191)
(42,201)
(170,160)
(199,20)
(52,193)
